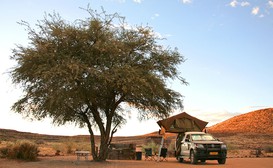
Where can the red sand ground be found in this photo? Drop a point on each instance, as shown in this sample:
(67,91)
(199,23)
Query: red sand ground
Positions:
(70,162)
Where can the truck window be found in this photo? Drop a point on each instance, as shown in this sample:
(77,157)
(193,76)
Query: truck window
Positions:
(202,137)
(196,137)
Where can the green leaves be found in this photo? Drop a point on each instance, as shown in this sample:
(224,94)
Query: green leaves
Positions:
(88,68)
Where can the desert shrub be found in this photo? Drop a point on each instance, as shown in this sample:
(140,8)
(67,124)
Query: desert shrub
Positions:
(69,150)
(268,149)
(58,147)
(4,152)
(83,146)
(64,147)
(231,147)
(69,147)
(5,148)
(22,150)
(26,151)
(58,153)
(40,142)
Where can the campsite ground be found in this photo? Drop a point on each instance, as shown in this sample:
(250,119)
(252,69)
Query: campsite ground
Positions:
(241,153)
(70,162)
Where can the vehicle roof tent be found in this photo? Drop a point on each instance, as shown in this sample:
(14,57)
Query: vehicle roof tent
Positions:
(182,122)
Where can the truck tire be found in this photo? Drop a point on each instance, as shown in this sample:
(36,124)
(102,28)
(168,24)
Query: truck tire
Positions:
(222,161)
(180,160)
(193,157)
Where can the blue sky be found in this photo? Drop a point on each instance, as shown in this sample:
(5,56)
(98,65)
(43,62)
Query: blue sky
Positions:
(228,45)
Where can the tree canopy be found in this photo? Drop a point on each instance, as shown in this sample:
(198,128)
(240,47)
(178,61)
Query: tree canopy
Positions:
(83,71)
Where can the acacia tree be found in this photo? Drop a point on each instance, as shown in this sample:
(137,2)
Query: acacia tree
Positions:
(83,71)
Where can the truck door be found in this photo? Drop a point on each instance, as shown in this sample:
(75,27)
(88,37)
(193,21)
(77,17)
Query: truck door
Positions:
(178,141)
(185,146)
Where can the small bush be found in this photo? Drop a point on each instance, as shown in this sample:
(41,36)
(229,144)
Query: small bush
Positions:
(69,147)
(63,148)
(231,147)
(83,146)
(58,153)
(40,142)
(22,150)
(4,152)
(268,149)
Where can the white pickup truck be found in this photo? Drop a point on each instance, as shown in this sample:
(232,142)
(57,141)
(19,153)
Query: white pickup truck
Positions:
(199,146)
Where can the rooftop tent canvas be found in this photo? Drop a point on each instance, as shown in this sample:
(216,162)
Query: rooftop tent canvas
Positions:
(182,122)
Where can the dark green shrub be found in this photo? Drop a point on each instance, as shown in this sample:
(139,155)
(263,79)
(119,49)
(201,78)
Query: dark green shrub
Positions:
(28,151)
(4,152)
(23,150)
(268,149)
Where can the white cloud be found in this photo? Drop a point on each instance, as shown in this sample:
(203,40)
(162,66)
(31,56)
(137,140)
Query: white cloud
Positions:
(233,3)
(186,1)
(270,4)
(255,10)
(213,116)
(245,3)
(155,16)
(137,1)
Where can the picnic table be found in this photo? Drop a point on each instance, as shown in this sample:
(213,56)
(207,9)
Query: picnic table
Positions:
(84,154)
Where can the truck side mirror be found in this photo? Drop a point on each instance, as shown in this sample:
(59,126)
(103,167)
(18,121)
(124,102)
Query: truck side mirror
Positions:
(187,140)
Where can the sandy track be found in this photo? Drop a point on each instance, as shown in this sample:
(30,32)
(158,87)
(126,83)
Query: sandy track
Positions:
(70,162)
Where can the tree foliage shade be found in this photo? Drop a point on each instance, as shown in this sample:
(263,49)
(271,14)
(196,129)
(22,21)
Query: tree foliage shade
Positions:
(84,71)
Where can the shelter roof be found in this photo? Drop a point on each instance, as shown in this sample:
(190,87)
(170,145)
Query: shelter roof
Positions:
(182,122)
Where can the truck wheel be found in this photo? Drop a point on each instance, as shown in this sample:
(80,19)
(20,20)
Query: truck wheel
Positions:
(193,158)
(181,160)
(222,161)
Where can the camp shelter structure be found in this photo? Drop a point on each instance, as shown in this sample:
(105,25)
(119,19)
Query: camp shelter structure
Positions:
(182,122)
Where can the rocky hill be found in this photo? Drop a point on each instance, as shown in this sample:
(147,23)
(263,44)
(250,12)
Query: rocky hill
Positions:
(259,121)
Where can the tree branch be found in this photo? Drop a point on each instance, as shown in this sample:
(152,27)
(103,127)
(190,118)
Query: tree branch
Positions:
(112,133)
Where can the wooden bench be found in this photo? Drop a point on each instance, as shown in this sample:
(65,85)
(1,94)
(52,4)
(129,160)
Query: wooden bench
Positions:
(84,154)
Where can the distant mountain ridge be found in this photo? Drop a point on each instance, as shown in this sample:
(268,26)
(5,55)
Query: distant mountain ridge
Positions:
(259,121)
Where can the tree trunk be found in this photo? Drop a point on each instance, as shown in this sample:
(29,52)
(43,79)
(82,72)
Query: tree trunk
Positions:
(103,152)
(93,147)
(105,138)
(92,142)
(94,150)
